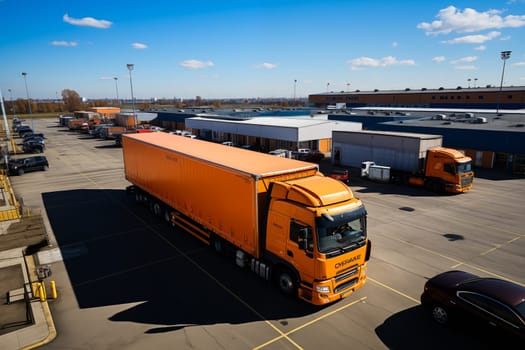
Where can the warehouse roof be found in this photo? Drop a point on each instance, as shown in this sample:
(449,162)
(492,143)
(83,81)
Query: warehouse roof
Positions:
(288,129)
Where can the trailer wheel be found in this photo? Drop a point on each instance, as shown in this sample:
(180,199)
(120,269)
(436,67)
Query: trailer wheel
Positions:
(286,282)
(138,197)
(157,210)
(167,214)
(217,244)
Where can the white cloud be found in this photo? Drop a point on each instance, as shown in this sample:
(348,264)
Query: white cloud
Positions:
(473,39)
(505,38)
(465,60)
(480,48)
(451,19)
(195,64)
(395,44)
(64,43)
(266,65)
(439,59)
(518,64)
(362,62)
(139,46)
(87,22)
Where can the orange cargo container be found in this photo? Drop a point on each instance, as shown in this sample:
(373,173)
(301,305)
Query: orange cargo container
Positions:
(280,217)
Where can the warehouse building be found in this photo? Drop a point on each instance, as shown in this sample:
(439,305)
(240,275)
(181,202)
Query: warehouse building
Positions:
(491,140)
(269,133)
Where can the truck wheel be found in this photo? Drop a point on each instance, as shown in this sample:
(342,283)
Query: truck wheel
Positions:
(45,168)
(20,172)
(286,282)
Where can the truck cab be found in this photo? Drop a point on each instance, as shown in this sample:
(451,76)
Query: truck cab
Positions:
(321,239)
(449,170)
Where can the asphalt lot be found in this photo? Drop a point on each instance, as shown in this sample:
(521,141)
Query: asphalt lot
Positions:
(127,280)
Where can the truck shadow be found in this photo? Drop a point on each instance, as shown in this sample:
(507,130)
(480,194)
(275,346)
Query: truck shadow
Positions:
(115,252)
(414,328)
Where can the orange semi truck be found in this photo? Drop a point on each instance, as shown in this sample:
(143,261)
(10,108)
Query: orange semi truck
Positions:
(279,217)
(401,157)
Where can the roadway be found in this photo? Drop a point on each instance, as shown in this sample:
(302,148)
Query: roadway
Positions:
(127,280)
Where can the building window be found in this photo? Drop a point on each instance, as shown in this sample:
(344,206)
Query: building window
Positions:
(480,97)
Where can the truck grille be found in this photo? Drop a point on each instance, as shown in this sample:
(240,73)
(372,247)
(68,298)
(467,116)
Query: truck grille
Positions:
(466,181)
(346,285)
(346,275)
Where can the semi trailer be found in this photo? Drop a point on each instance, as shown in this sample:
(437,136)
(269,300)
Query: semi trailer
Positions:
(279,217)
(416,159)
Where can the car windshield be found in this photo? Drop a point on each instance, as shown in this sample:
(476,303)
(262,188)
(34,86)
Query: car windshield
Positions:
(521,309)
(464,168)
(345,233)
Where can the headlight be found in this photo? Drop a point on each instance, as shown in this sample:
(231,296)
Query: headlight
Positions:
(322,289)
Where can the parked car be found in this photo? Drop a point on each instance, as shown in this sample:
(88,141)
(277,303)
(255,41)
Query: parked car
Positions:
(24,129)
(458,295)
(34,145)
(340,174)
(29,135)
(24,165)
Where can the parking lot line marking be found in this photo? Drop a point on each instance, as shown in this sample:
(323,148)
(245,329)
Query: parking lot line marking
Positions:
(315,320)
(459,262)
(393,290)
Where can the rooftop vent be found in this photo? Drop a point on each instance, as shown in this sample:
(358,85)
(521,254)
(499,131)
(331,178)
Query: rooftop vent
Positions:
(520,125)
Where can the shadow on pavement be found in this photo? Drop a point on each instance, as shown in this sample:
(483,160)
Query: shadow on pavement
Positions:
(414,328)
(116,253)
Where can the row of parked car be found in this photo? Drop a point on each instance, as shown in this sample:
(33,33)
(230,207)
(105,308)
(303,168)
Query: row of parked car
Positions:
(32,142)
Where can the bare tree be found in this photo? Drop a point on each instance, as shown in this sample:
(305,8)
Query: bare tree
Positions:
(72,100)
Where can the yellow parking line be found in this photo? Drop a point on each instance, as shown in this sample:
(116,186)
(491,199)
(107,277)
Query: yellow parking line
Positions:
(285,335)
(393,290)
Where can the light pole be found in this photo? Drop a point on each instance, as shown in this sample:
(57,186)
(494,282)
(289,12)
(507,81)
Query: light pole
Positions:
(469,82)
(475,82)
(116,88)
(347,86)
(24,74)
(294,90)
(13,106)
(505,55)
(328,87)
(130,68)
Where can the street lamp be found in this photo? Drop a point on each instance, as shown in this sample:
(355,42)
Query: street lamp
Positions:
(347,86)
(24,74)
(116,88)
(475,82)
(13,106)
(469,82)
(328,87)
(294,89)
(130,68)
(505,55)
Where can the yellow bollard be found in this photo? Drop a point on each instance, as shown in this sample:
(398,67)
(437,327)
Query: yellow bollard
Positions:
(42,292)
(34,289)
(53,288)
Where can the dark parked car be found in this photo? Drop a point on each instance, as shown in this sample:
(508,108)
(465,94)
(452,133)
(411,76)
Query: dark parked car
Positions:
(34,145)
(24,165)
(458,295)
(30,135)
(24,129)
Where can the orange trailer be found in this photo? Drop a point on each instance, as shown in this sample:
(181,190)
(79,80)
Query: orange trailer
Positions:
(279,217)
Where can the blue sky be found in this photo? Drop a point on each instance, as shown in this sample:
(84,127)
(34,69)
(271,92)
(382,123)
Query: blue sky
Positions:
(265,48)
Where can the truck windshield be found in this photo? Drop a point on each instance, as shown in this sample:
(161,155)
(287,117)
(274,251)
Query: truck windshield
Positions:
(464,168)
(347,232)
